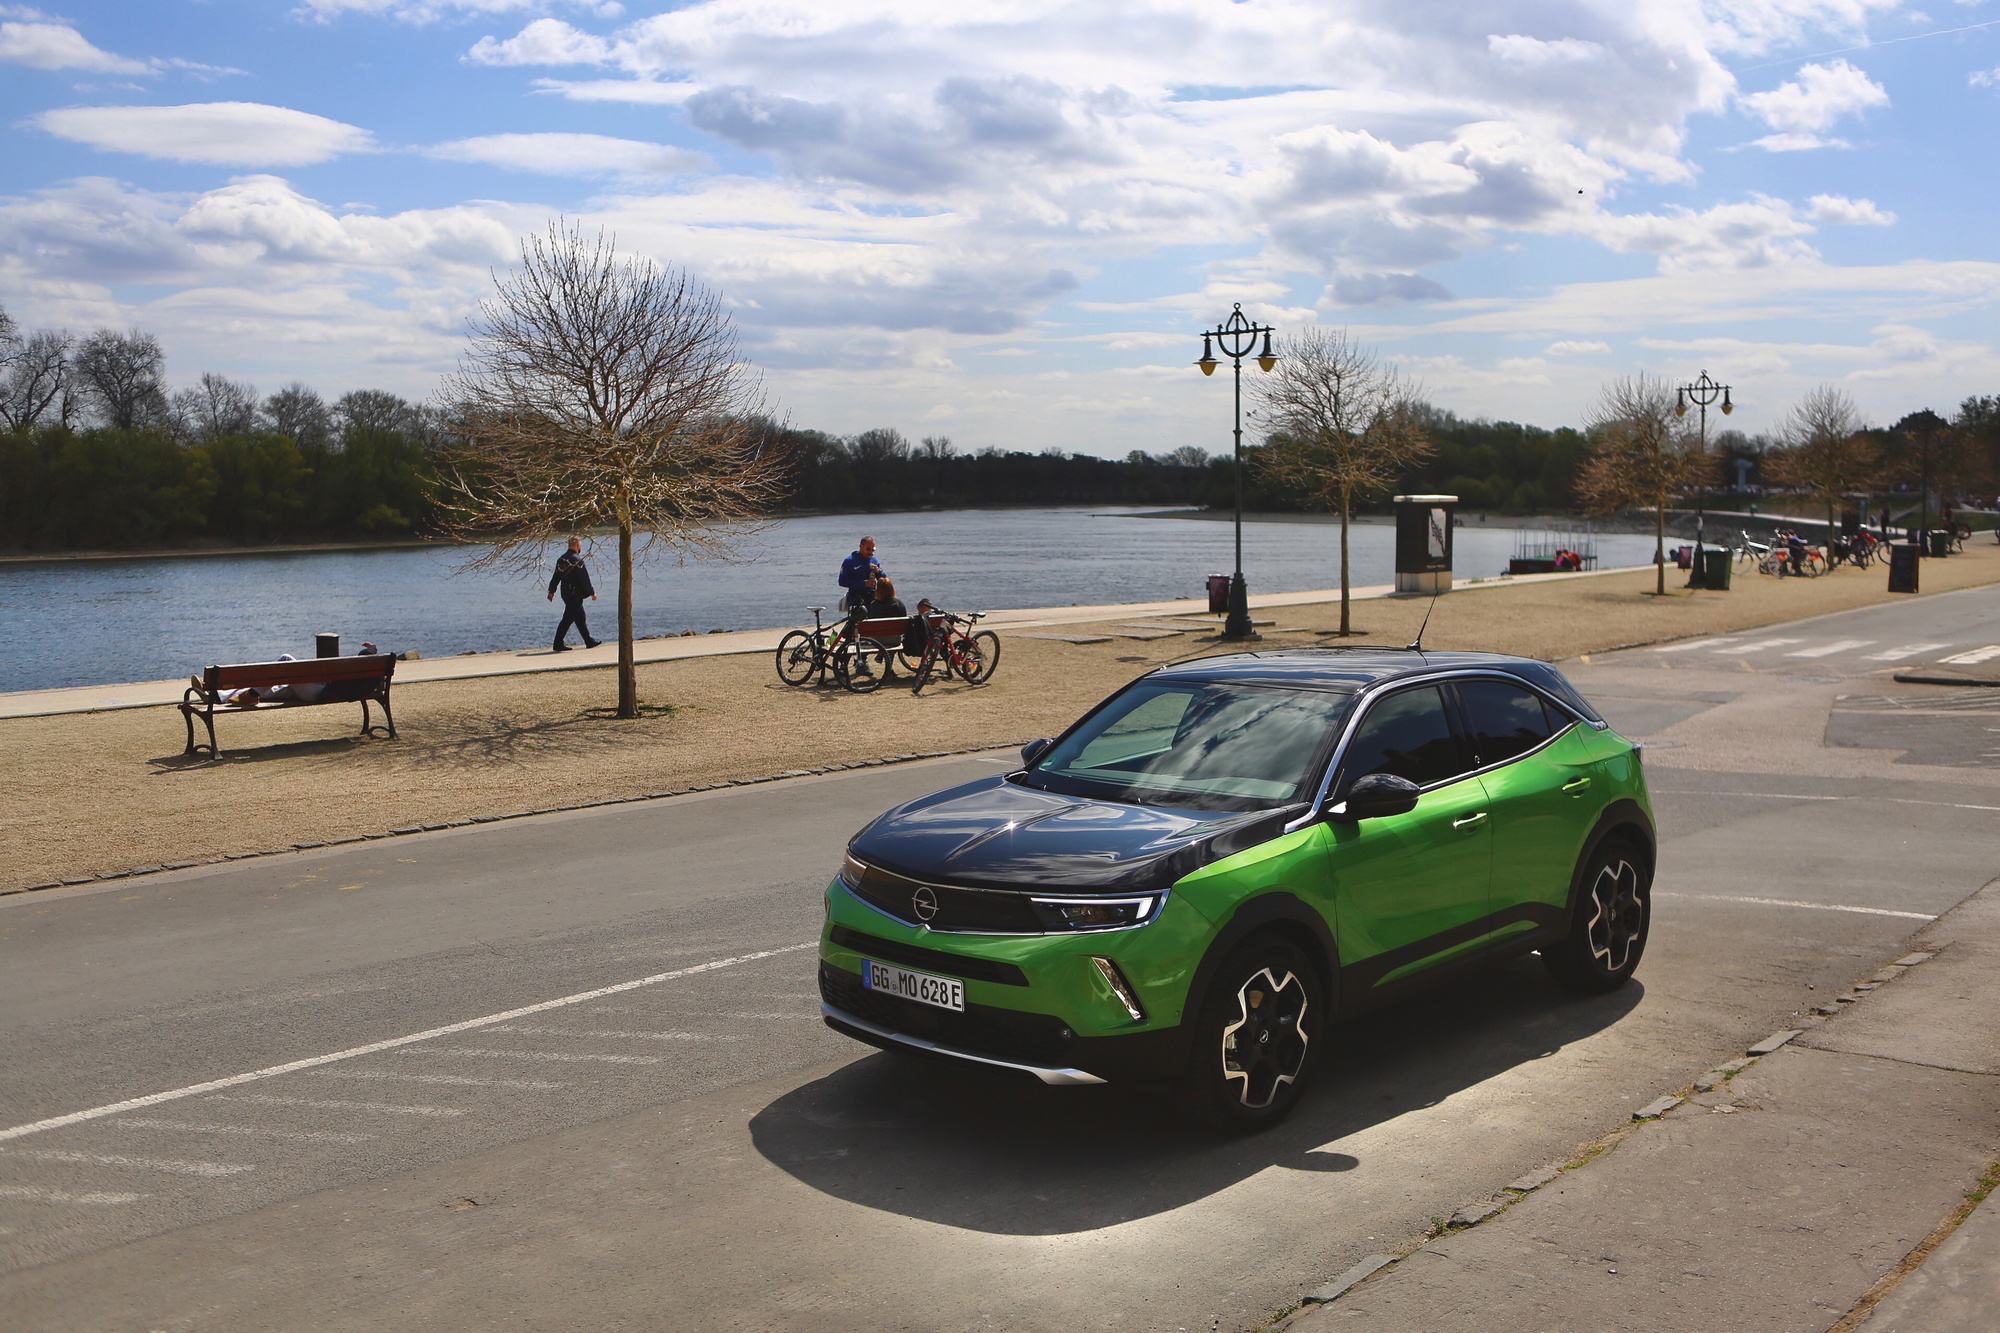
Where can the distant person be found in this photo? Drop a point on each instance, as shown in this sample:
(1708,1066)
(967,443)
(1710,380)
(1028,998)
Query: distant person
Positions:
(1795,547)
(572,576)
(858,574)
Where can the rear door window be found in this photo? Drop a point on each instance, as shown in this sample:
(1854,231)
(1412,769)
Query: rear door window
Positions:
(1505,720)
(1408,734)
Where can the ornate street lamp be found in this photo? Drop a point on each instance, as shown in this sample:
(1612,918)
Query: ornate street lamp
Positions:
(1701,393)
(1237,338)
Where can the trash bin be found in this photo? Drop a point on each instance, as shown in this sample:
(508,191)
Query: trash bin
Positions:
(1937,542)
(1902,569)
(1716,564)
(1218,594)
(326,645)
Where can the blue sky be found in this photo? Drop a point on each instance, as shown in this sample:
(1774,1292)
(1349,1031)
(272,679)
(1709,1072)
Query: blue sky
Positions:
(1007,223)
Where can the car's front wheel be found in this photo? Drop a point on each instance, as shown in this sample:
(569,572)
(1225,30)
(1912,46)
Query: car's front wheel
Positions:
(1253,1041)
(1607,934)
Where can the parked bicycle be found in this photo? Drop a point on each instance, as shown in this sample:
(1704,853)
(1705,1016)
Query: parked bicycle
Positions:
(806,655)
(956,646)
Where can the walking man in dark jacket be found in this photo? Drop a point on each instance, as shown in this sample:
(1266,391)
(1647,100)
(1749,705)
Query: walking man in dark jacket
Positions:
(573,577)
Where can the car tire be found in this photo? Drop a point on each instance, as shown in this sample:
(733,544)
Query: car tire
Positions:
(1255,1037)
(1607,932)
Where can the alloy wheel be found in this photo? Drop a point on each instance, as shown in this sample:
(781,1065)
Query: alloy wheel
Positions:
(1264,1048)
(1618,915)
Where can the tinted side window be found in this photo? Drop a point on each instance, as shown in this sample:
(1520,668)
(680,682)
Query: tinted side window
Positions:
(1407,734)
(1506,720)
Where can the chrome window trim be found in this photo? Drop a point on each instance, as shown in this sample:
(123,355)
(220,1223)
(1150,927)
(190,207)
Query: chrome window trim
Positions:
(1158,907)
(1365,700)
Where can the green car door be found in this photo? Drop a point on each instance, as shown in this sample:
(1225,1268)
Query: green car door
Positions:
(1410,890)
(1539,770)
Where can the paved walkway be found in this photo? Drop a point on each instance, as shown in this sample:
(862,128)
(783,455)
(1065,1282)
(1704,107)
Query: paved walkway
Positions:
(1790,1191)
(507,662)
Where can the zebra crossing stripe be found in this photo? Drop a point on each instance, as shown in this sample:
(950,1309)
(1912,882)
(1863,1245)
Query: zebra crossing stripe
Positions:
(1829,649)
(1697,643)
(1977,655)
(1907,650)
(1762,644)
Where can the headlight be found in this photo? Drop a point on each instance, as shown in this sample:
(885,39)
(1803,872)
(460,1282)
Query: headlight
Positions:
(1097,913)
(851,872)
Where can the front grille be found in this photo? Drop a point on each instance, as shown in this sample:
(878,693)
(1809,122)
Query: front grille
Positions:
(1004,1034)
(998,911)
(951,964)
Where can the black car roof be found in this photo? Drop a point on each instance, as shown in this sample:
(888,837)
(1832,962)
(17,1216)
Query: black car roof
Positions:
(1341,668)
(1351,669)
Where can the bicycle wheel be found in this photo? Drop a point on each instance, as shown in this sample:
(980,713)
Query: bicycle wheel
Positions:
(860,669)
(977,656)
(798,660)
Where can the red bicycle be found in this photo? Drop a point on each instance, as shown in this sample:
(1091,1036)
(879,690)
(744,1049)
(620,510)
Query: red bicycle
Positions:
(957,647)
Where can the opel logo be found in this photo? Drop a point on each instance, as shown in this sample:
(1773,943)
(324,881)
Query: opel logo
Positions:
(924,903)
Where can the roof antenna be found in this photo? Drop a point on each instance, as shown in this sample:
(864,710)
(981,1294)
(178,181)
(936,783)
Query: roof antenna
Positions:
(1418,646)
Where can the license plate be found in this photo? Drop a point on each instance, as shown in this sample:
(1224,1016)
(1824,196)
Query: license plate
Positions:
(938,992)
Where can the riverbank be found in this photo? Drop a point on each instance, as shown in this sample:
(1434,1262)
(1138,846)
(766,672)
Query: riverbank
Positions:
(101,793)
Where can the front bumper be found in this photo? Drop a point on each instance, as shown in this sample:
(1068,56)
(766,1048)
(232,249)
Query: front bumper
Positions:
(862,1030)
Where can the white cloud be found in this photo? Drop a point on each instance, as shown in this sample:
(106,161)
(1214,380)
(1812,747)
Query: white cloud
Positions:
(430,11)
(1579,347)
(47,45)
(233,134)
(1796,143)
(573,155)
(1842,211)
(1985,78)
(543,42)
(1816,99)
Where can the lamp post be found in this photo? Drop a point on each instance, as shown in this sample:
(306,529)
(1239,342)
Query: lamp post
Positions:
(1701,393)
(1237,338)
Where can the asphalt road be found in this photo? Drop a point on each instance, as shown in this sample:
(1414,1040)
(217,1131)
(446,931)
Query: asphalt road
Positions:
(672,1138)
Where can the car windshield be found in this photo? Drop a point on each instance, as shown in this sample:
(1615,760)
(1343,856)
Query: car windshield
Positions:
(1204,744)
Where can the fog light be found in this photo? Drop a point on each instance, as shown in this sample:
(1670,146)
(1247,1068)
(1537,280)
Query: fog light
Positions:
(1121,988)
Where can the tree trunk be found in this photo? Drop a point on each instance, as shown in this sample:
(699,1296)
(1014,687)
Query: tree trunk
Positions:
(628,672)
(1346,504)
(1660,548)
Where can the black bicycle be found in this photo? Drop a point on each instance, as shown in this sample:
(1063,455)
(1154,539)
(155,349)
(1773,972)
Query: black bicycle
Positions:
(806,655)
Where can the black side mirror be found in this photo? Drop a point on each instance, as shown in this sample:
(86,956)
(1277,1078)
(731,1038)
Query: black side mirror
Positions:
(1374,797)
(1035,749)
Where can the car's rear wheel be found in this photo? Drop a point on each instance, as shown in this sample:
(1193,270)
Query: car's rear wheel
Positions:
(1607,934)
(1253,1040)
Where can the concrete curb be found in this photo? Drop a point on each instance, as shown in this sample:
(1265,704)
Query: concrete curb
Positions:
(408,829)
(1475,1213)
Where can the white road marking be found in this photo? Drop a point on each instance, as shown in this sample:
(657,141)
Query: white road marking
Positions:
(1829,649)
(1976,655)
(613,1036)
(1907,650)
(1792,796)
(392,1108)
(168,1165)
(455,1080)
(64,1196)
(1794,902)
(393,1043)
(1698,643)
(567,1057)
(251,1131)
(1762,644)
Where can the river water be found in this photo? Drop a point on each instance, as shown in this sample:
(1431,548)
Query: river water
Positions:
(87,622)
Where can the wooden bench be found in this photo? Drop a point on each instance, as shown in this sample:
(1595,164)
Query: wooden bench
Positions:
(330,680)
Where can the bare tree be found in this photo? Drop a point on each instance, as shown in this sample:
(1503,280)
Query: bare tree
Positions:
(1641,456)
(123,375)
(937,448)
(883,444)
(216,407)
(374,410)
(602,389)
(299,412)
(35,380)
(1824,455)
(1188,455)
(1343,427)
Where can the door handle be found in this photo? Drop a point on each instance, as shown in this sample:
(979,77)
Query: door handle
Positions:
(1577,786)
(1469,821)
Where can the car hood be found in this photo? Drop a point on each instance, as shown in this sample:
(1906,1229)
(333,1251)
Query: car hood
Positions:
(998,834)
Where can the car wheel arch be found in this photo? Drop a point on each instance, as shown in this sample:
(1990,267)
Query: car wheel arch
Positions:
(1278,913)
(1625,819)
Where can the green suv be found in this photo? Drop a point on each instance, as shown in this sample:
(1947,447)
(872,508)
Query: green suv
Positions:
(1218,860)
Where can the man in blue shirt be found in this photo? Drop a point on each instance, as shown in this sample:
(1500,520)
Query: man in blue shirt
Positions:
(858,574)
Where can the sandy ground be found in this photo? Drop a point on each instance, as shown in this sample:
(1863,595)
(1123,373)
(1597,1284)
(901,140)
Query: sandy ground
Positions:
(104,793)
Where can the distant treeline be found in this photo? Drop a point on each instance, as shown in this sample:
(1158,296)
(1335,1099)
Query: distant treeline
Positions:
(95,453)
